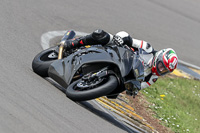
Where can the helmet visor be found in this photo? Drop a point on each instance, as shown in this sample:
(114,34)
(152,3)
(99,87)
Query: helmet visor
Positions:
(161,68)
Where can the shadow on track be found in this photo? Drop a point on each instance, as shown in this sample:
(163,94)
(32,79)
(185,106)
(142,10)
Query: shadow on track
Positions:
(96,110)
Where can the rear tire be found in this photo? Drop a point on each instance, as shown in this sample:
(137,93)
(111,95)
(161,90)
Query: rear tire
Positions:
(41,62)
(76,95)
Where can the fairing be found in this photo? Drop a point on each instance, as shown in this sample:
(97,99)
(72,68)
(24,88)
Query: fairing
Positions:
(63,70)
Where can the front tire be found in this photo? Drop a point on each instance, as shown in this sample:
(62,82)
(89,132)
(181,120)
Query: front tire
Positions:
(91,93)
(42,61)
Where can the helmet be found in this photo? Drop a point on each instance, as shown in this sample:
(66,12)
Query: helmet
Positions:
(165,61)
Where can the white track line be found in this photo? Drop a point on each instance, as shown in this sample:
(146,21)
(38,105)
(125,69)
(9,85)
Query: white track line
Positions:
(188,64)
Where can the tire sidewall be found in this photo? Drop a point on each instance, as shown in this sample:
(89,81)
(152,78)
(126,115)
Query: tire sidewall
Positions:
(41,67)
(102,90)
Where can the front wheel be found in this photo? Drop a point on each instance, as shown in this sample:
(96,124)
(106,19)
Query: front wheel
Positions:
(43,60)
(80,90)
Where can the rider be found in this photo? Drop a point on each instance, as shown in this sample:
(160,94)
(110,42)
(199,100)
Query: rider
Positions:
(157,64)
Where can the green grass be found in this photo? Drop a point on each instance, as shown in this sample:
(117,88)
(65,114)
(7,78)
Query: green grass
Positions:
(179,109)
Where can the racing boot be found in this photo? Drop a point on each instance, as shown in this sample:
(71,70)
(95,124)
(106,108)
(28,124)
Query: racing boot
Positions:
(97,37)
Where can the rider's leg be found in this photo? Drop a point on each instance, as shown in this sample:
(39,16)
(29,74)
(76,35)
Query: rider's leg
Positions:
(96,37)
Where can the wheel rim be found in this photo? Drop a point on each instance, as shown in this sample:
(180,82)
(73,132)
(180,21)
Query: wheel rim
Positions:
(88,84)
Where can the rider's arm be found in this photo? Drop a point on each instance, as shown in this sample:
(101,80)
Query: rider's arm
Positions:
(123,37)
(149,80)
(142,44)
(97,37)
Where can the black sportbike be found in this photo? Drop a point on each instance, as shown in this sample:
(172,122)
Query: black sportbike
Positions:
(92,71)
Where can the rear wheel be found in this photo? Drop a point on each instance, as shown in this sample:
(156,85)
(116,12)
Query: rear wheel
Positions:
(82,89)
(43,60)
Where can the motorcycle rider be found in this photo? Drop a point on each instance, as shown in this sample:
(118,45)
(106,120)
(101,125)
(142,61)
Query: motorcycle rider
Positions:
(157,64)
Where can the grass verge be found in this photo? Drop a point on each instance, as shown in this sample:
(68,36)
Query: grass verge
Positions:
(176,103)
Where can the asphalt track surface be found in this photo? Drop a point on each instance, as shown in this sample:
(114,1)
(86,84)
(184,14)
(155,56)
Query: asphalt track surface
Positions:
(28,103)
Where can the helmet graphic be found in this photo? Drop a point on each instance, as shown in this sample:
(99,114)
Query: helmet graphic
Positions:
(165,61)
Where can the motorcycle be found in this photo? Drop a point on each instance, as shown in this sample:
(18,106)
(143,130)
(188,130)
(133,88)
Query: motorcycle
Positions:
(92,71)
